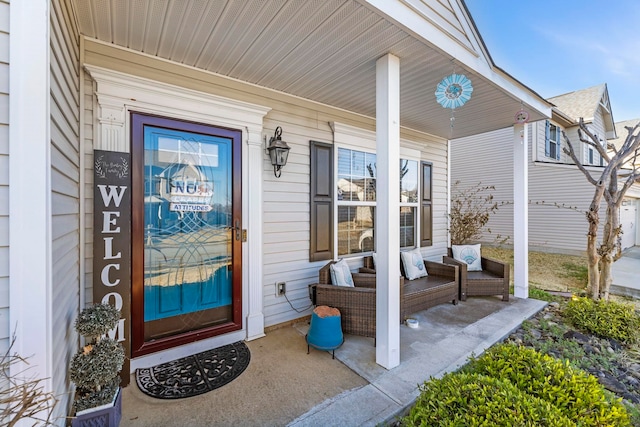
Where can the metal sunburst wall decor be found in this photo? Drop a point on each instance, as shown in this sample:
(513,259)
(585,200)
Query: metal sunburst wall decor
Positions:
(454,91)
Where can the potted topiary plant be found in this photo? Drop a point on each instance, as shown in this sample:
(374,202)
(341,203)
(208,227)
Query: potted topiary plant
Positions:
(95,369)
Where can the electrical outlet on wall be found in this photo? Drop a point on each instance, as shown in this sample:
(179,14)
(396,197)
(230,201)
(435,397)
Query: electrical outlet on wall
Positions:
(281,288)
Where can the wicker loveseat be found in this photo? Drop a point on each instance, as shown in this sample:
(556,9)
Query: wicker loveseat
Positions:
(357,304)
(492,280)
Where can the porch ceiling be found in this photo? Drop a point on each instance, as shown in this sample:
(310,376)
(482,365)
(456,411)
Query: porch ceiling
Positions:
(324,50)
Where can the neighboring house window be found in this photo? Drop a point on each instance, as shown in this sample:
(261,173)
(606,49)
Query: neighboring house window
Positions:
(355,189)
(552,140)
(590,155)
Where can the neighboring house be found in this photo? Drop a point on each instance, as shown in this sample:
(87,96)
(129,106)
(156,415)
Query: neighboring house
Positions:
(629,212)
(134,165)
(559,194)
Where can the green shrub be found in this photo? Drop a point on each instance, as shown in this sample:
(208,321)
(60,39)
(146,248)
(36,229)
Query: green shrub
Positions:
(541,295)
(607,319)
(575,393)
(459,399)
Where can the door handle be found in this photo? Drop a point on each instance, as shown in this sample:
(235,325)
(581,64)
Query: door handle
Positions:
(238,230)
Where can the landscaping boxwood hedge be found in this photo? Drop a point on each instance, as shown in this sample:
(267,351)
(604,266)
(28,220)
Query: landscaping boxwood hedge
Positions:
(607,319)
(512,385)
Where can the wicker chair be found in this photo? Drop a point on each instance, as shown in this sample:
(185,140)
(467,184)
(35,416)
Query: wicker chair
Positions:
(357,304)
(492,280)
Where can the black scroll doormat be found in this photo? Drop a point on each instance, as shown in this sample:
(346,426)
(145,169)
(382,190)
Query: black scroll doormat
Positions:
(194,375)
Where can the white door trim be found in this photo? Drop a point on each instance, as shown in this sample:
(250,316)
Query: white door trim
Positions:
(117,94)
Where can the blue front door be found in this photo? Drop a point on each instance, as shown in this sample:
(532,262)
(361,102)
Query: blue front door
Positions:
(187,288)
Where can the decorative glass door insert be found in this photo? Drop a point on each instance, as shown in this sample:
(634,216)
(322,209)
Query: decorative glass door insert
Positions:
(188,232)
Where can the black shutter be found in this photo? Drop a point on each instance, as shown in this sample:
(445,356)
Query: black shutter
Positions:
(426,206)
(321,202)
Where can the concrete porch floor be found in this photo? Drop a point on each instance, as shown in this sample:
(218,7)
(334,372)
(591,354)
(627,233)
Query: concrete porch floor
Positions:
(285,386)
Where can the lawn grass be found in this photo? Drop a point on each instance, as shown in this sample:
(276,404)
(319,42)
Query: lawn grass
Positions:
(553,272)
(549,272)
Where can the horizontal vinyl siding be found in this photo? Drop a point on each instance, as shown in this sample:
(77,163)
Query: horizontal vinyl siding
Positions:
(487,160)
(4,177)
(65,199)
(559,195)
(286,213)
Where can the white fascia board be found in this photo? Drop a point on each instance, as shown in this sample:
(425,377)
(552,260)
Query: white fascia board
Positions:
(406,17)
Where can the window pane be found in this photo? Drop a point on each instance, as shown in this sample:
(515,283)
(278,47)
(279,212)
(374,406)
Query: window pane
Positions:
(370,161)
(344,162)
(370,195)
(407,226)
(408,181)
(346,189)
(553,133)
(355,229)
(357,164)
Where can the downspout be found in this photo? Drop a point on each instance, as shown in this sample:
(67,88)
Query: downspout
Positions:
(82,183)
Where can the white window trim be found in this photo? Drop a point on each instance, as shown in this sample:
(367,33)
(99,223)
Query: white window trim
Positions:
(556,141)
(358,139)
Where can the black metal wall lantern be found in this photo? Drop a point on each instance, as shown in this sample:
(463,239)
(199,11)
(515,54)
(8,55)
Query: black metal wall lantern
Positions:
(278,151)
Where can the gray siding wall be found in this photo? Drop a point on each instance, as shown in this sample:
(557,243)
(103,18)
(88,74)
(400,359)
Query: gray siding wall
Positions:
(559,194)
(285,200)
(65,198)
(4,176)
(487,160)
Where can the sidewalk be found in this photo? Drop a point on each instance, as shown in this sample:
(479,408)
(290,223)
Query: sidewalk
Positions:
(626,274)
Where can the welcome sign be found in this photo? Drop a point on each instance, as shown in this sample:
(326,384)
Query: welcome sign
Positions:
(112,243)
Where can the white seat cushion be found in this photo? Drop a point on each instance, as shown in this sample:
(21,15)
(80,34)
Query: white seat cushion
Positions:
(413,264)
(341,274)
(469,254)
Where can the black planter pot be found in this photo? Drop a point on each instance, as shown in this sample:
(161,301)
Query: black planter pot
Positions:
(102,417)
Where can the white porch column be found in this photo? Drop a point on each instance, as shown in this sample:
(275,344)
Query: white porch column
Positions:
(29,202)
(253,246)
(388,211)
(520,211)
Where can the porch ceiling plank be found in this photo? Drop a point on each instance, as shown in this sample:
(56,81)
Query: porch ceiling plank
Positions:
(344,24)
(289,27)
(85,18)
(167,24)
(231,34)
(324,51)
(155,25)
(185,32)
(199,35)
(363,48)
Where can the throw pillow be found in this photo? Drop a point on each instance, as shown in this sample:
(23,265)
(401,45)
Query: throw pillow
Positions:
(469,254)
(341,274)
(413,264)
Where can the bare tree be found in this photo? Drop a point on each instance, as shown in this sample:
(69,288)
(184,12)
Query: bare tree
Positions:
(619,174)
(23,397)
(470,211)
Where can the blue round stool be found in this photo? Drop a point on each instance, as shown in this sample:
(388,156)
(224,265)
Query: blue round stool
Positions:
(325,330)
